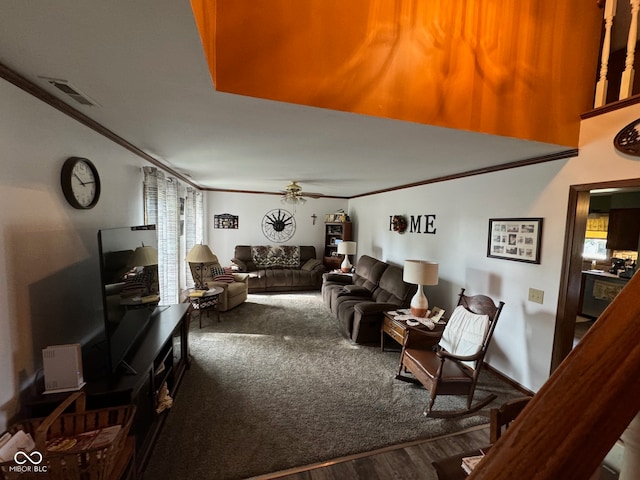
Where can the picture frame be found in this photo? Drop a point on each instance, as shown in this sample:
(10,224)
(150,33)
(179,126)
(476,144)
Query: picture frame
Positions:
(517,239)
(225,221)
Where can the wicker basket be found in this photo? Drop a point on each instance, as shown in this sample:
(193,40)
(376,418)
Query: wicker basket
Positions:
(89,464)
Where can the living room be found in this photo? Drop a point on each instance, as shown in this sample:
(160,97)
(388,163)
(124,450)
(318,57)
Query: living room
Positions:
(49,272)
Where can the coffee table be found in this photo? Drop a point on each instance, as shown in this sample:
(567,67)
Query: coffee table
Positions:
(397,329)
(205,302)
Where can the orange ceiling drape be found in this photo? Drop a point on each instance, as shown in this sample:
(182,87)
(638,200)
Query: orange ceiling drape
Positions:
(520,68)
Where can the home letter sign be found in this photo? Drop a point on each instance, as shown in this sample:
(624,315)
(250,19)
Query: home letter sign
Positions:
(416,224)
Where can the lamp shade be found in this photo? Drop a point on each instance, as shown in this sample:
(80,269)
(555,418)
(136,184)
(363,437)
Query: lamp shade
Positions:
(143,256)
(420,272)
(201,254)
(347,248)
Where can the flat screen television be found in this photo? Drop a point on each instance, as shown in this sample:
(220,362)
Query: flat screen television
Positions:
(130,293)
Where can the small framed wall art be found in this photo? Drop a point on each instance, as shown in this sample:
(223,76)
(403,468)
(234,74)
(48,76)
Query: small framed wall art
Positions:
(515,239)
(225,220)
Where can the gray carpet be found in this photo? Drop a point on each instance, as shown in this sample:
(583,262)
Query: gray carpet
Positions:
(275,386)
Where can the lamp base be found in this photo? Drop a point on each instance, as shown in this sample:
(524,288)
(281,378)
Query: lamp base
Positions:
(419,312)
(419,304)
(345,267)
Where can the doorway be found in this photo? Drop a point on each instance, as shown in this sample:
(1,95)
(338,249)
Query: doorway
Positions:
(571,275)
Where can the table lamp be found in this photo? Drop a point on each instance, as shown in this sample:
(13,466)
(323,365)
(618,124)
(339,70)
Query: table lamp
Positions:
(199,255)
(147,258)
(420,272)
(144,256)
(346,249)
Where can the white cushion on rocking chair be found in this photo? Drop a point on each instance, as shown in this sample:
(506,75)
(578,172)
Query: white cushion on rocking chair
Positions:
(464,333)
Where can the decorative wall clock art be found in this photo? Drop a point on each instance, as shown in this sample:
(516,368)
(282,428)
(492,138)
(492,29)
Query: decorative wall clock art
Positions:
(628,139)
(278,225)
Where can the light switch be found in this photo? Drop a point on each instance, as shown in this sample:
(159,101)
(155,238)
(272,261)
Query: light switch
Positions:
(536,295)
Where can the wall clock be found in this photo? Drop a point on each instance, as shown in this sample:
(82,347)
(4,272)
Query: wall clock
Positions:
(628,139)
(80,182)
(278,225)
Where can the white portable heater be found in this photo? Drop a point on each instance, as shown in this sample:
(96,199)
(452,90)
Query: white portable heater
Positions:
(62,368)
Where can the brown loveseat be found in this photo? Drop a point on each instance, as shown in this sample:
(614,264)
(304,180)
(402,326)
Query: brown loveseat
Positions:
(358,301)
(279,268)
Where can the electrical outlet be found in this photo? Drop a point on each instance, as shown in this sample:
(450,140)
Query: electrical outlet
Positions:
(536,295)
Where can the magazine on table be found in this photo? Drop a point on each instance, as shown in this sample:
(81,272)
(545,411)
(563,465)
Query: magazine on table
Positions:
(99,438)
(469,463)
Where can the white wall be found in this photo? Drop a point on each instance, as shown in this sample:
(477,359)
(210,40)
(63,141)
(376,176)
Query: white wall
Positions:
(49,269)
(49,279)
(251,208)
(523,340)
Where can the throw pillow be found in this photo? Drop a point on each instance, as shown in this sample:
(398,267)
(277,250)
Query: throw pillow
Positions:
(311,264)
(215,271)
(224,278)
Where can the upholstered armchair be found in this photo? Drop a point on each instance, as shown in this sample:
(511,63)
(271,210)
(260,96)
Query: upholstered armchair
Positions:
(235,286)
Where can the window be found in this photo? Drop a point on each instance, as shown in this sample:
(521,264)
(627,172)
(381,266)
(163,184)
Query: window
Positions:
(595,248)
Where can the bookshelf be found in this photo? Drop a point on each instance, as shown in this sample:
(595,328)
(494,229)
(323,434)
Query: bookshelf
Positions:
(334,233)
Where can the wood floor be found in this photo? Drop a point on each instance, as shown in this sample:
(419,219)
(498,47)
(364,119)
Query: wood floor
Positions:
(407,462)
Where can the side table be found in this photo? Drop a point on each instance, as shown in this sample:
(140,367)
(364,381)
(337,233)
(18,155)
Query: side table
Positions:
(205,301)
(397,329)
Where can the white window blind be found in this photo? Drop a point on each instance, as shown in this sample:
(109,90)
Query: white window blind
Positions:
(194,224)
(162,209)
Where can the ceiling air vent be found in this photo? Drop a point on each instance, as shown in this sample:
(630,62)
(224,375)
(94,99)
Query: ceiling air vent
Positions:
(70,90)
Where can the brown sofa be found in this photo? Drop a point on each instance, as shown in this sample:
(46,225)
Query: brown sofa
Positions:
(279,268)
(359,300)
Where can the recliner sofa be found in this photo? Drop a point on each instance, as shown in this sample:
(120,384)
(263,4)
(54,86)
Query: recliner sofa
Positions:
(279,268)
(359,300)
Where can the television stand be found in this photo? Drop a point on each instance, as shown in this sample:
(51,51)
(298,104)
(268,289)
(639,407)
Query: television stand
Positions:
(127,368)
(162,356)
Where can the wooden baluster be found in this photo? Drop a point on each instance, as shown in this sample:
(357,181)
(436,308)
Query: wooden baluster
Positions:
(571,423)
(626,85)
(602,85)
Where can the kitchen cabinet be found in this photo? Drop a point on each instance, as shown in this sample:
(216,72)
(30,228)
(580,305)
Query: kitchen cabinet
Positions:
(598,291)
(624,229)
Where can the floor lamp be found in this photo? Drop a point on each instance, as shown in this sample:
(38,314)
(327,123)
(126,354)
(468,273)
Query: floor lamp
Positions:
(420,272)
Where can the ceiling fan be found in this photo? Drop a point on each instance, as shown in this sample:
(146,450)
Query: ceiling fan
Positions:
(293,194)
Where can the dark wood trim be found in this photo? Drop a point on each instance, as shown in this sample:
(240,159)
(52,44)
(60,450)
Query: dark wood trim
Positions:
(368,454)
(481,171)
(31,88)
(569,298)
(226,190)
(610,107)
(570,279)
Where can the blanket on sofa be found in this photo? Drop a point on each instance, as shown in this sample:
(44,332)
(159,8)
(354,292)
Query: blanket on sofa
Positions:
(269,256)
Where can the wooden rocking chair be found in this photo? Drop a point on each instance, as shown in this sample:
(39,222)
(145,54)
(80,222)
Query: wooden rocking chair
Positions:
(449,362)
